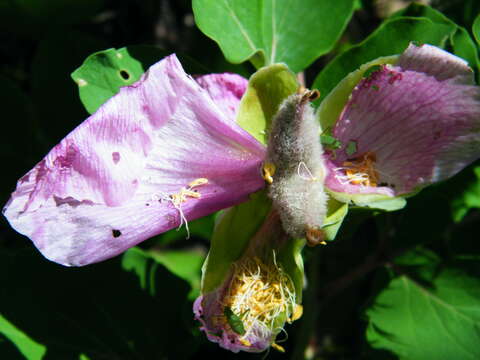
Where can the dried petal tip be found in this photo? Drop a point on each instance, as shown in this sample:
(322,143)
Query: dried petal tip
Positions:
(249,311)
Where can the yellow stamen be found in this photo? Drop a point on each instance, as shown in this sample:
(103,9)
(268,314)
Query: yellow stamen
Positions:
(183,195)
(198,182)
(315,237)
(278,347)
(297,313)
(361,170)
(246,342)
(268,171)
(260,292)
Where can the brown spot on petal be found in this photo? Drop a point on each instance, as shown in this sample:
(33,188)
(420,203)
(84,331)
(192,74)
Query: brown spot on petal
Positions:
(116,233)
(116,157)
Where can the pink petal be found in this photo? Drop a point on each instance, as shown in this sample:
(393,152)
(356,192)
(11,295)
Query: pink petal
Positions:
(435,62)
(423,126)
(226,90)
(106,186)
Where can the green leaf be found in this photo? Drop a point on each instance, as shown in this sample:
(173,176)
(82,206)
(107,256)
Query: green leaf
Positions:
(468,197)
(103,73)
(266,90)
(436,321)
(391,38)
(272,31)
(235,227)
(27,346)
(476,29)
(186,264)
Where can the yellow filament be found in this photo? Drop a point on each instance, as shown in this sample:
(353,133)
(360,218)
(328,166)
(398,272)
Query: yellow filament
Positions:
(361,171)
(183,195)
(259,293)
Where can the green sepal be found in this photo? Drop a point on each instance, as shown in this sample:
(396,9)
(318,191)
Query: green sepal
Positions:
(374,201)
(266,90)
(336,212)
(233,230)
(290,256)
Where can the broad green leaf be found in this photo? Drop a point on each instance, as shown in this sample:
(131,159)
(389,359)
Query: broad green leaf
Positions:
(266,90)
(103,73)
(235,227)
(272,31)
(461,43)
(476,29)
(436,321)
(186,264)
(391,38)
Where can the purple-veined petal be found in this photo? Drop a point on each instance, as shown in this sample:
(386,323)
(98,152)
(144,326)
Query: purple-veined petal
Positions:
(109,184)
(436,62)
(226,90)
(420,124)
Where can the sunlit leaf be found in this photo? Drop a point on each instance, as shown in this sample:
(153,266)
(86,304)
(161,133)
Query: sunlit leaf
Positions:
(420,319)
(272,31)
(103,73)
(476,29)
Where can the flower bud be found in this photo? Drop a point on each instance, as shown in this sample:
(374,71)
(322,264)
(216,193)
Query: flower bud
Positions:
(295,170)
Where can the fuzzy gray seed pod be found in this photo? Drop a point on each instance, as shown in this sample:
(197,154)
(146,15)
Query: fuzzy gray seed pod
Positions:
(294,168)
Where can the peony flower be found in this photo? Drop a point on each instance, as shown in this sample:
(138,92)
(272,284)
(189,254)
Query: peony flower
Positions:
(168,149)
(161,152)
(413,121)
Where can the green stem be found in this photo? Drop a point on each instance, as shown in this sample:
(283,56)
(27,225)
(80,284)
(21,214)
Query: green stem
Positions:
(310,307)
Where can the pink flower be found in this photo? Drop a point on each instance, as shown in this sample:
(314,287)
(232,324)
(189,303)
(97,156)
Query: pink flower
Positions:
(405,126)
(161,152)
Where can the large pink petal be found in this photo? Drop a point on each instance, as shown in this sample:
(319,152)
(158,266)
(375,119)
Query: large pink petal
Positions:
(421,119)
(226,90)
(106,186)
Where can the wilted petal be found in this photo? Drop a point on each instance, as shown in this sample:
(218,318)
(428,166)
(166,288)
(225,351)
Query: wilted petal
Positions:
(226,90)
(404,129)
(126,173)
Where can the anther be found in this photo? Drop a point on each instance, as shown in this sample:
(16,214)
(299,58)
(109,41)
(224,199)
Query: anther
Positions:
(268,171)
